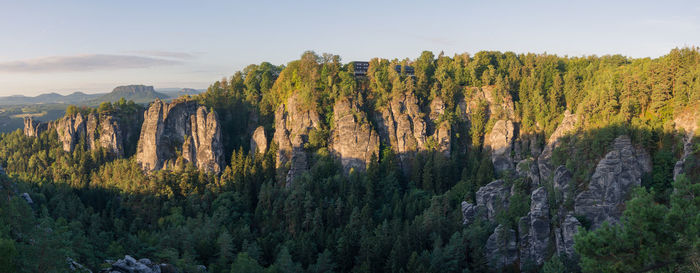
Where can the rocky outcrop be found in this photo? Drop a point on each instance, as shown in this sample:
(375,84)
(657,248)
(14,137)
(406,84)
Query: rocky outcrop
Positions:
(527,168)
(442,129)
(258,141)
(561,180)
(469,213)
(131,265)
(502,248)
(401,124)
(293,123)
(615,176)
(499,141)
(104,131)
(534,230)
(492,198)
(567,126)
(70,130)
(498,106)
(27,198)
(686,123)
(33,128)
(76,267)
(181,130)
(353,140)
(564,235)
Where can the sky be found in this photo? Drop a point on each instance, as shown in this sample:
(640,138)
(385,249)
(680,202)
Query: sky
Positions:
(93,46)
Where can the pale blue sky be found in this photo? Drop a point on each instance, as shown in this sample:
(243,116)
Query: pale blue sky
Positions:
(93,46)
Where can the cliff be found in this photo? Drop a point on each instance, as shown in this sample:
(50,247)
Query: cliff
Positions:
(180,131)
(353,140)
(293,124)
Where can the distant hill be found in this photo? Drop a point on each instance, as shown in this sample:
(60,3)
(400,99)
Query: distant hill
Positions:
(177,92)
(73,98)
(137,93)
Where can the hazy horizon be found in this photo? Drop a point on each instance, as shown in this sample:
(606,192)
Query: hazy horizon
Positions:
(93,47)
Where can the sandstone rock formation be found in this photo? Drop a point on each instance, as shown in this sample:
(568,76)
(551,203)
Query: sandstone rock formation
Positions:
(469,213)
(564,235)
(293,123)
(561,180)
(527,168)
(258,141)
(567,126)
(33,128)
(500,142)
(131,265)
(501,248)
(401,124)
(614,177)
(442,129)
(70,130)
(180,130)
(353,140)
(687,123)
(534,230)
(104,131)
(492,198)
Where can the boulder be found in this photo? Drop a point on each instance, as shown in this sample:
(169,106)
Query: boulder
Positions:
(258,141)
(615,176)
(499,141)
(353,140)
(27,198)
(181,130)
(501,248)
(534,230)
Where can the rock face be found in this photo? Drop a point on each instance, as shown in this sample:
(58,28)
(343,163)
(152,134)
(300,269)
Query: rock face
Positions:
(469,213)
(561,180)
(131,265)
(686,123)
(180,130)
(564,235)
(527,168)
(492,198)
(353,140)
(500,142)
(258,142)
(104,131)
(293,123)
(33,128)
(442,130)
(70,130)
(567,125)
(401,124)
(534,230)
(611,183)
(502,248)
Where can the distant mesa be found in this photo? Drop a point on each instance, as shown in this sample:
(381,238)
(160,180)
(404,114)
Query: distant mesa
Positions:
(136,93)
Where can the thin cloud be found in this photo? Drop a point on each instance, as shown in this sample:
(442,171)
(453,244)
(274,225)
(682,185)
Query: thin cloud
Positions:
(166,54)
(89,62)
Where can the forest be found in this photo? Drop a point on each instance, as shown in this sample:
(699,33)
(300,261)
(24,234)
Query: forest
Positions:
(92,206)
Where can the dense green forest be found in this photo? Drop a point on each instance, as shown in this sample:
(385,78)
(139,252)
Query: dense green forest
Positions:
(91,206)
